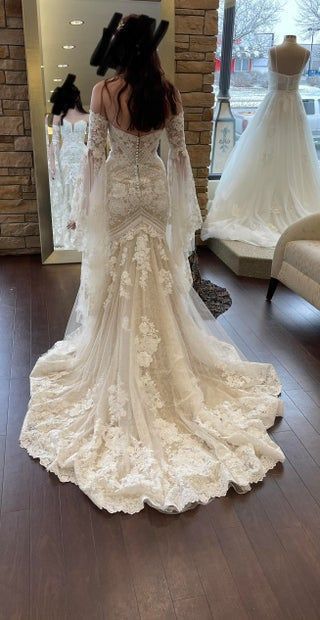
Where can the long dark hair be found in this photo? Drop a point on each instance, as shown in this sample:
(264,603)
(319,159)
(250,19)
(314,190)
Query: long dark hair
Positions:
(69,98)
(152,97)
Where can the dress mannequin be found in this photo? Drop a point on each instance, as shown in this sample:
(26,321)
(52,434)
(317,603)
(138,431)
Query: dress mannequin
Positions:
(289,58)
(272,177)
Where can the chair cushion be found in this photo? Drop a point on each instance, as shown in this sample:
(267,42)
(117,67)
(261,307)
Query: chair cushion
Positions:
(305,257)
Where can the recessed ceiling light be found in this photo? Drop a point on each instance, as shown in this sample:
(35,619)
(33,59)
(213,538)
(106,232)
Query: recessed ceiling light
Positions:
(76,22)
(42,66)
(68,47)
(57,79)
(51,91)
(62,66)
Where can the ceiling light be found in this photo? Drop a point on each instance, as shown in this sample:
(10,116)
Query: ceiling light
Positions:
(76,22)
(62,66)
(68,47)
(51,91)
(57,79)
(42,66)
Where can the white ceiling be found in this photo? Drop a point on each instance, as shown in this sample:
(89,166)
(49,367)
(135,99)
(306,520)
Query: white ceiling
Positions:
(56,31)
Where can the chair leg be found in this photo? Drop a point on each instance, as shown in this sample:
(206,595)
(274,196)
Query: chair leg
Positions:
(272,287)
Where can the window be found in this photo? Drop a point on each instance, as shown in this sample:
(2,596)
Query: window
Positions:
(309,106)
(258,26)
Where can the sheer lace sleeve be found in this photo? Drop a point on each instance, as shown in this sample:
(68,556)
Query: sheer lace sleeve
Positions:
(185,216)
(90,170)
(97,139)
(54,149)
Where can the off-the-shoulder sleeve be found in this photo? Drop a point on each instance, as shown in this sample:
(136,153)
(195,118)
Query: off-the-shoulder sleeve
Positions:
(92,167)
(185,216)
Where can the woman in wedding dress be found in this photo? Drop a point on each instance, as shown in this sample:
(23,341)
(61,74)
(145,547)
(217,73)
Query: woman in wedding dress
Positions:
(69,130)
(272,177)
(144,401)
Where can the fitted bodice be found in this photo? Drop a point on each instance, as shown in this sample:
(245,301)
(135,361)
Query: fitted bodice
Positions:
(73,133)
(137,181)
(132,149)
(282,82)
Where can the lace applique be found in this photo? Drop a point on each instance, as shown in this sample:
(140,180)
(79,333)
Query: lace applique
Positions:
(125,282)
(175,132)
(141,257)
(166,281)
(146,346)
(87,403)
(147,343)
(117,401)
(123,256)
(97,139)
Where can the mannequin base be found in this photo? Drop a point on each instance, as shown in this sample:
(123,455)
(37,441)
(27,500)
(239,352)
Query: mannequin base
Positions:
(242,258)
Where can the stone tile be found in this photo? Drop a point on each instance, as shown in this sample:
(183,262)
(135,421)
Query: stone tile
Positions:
(20,229)
(11,36)
(11,243)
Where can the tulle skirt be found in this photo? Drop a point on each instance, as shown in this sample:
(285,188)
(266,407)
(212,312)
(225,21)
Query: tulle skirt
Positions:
(272,177)
(151,405)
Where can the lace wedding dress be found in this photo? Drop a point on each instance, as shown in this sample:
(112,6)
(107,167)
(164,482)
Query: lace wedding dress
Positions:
(272,177)
(68,141)
(143,401)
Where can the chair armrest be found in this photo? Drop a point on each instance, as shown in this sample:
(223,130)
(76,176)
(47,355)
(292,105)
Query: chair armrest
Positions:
(304,229)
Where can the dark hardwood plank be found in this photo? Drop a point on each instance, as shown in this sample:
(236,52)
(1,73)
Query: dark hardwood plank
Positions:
(307,406)
(302,428)
(17,467)
(7,319)
(222,593)
(4,404)
(301,460)
(181,573)
(2,457)
(20,362)
(82,586)
(14,566)
(258,598)
(193,609)
(149,578)
(117,595)
(288,584)
(39,337)
(47,570)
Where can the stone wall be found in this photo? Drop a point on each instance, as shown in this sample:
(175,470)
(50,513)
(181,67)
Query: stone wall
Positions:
(18,209)
(196,30)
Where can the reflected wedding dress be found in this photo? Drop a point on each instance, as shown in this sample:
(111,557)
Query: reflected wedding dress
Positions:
(143,402)
(68,141)
(272,177)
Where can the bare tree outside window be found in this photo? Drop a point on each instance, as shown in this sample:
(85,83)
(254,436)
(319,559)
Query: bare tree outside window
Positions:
(253,18)
(309,16)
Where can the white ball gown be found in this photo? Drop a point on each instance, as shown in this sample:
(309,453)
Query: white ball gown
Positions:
(272,177)
(68,142)
(143,402)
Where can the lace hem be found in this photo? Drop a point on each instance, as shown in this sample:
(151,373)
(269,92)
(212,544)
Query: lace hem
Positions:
(166,493)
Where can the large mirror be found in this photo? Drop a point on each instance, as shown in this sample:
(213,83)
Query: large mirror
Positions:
(60,37)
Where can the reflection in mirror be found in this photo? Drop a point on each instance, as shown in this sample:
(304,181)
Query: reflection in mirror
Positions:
(69,32)
(66,134)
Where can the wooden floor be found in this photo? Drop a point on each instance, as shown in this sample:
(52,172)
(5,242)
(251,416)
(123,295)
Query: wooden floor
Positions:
(248,556)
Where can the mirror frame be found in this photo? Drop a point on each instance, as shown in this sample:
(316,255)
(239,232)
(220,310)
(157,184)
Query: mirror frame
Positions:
(32,37)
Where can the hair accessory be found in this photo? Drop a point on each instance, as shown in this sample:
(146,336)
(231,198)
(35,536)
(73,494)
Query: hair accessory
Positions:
(140,35)
(104,42)
(159,34)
